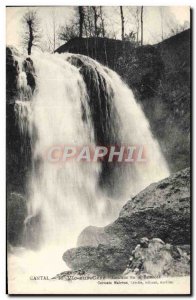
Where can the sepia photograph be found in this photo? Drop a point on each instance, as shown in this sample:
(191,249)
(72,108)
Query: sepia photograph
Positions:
(98,150)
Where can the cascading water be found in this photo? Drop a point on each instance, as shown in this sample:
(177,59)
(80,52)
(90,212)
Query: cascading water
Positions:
(79,102)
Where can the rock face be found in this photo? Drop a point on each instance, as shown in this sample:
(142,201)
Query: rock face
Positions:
(12,72)
(18,154)
(162,210)
(93,236)
(16,214)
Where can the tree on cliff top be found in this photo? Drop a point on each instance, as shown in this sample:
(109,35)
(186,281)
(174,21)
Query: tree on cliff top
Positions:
(142,26)
(32,30)
(81,20)
(122,23)
(75,28)
(87,22)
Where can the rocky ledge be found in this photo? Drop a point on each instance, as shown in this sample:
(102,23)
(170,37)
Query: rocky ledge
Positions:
(154,258)
(162,211)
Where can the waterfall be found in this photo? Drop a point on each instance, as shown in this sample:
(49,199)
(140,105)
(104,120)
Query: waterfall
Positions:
(79,102)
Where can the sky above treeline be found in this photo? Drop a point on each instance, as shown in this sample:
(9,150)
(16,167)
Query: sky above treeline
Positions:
(158,21)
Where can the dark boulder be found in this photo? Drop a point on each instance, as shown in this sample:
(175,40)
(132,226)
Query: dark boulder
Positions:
(29,69)
(161,210)
(102,260)
(16,214)
(12,72)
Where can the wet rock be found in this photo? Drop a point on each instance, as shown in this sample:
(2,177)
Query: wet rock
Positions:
(12,72)
(16,214)
(31,237)
(28,68)
(18,154)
